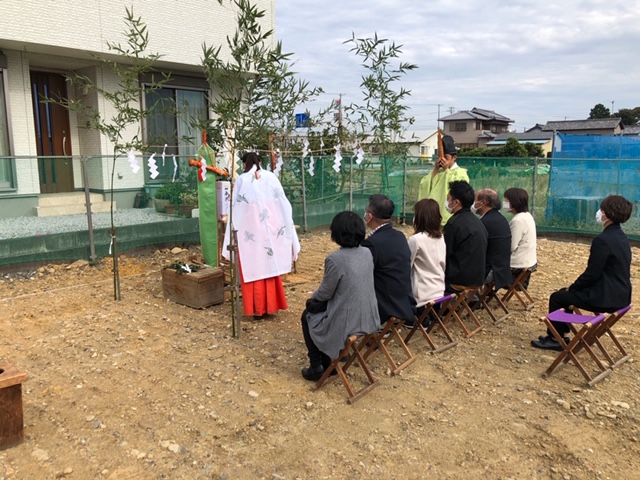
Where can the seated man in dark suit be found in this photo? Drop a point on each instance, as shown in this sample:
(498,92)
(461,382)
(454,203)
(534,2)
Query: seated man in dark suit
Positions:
(497,265)
(391,261)
(466,240)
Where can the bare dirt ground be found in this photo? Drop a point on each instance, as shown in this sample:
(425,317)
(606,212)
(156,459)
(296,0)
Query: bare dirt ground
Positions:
(144,388)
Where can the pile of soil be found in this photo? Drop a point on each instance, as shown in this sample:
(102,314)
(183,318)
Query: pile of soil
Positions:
(143,388)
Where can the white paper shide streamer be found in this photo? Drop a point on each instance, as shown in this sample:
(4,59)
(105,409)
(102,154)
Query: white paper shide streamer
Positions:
(175,168)
(338,158)
(153,168)
(305,152)
(312,161)
(164,153)
(279,163)
(202,171)
(135,166)
(358,152)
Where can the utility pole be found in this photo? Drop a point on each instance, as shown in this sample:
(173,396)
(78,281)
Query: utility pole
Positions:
(612,101)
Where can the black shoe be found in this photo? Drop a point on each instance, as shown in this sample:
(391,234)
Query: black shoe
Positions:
(543,337)
(547,343)
(313,374)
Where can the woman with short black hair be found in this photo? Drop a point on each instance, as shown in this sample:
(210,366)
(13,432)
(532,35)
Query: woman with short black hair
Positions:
(345,302)
(605,285)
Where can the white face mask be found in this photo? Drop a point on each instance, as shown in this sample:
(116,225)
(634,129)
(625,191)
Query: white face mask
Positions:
(473,209)
(448,207)
(601,218)
(506,205)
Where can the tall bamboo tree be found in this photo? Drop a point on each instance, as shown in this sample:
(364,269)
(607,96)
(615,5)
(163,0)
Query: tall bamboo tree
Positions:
(122,123)
(382,115)
(254,92)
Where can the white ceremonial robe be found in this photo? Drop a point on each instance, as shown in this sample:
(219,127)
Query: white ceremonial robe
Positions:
(262,215)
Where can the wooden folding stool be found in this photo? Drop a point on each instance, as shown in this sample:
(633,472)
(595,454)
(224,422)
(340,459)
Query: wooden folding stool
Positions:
(461,310)
(603,330)
(489,295)
(380,341)
(579,342)
(518,290)
(433,314)
(351,350)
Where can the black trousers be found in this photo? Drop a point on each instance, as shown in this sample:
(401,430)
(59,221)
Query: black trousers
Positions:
(517,271)
(316,357)
(564,299)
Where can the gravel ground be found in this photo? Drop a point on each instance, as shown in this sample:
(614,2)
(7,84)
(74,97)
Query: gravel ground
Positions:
(19,227)
(145,388)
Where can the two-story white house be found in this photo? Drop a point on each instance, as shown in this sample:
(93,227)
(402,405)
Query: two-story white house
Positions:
(42,42)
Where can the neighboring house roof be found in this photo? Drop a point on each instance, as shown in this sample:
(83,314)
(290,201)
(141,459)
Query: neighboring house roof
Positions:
(486,134)
(530,136)
(415,136)
(632,130)
(536,128)
(409,136)
(589,124)
(477,114)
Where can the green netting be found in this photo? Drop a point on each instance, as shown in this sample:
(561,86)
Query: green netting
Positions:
(328,192)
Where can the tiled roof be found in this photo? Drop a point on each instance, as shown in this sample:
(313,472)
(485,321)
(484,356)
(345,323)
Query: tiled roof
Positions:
(409,136)
(632,130)
(415,136)
(477,114)
(526,136)
(589,124)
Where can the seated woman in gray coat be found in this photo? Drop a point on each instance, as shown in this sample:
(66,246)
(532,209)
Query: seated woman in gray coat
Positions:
(345,302)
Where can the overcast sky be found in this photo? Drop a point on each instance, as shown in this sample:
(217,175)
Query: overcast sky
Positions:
(531,61)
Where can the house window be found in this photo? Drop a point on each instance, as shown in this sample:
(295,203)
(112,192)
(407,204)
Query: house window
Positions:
(498,128)
(176,112)
(460,127)
(7,177)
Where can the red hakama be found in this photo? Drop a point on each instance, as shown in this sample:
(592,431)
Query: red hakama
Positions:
(260,297)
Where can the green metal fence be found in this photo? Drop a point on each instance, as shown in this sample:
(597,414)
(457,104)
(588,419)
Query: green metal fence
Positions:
(327,191)
(317,197)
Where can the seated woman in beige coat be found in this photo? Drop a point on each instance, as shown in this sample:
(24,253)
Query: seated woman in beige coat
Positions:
(345,302)
(428,254)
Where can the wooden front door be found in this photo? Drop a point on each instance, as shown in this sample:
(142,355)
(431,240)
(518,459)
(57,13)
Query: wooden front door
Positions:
(55,166)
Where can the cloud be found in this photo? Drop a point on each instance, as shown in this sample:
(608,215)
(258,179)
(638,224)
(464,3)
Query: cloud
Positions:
(528,61)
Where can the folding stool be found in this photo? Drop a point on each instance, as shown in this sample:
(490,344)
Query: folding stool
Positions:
(517,288)
(434,316)
(353,353)
(461,310)
(580,341)
(488,294)
(603,330)
(380,341)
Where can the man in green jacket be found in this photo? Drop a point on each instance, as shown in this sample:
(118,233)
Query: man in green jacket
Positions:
(435,185)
